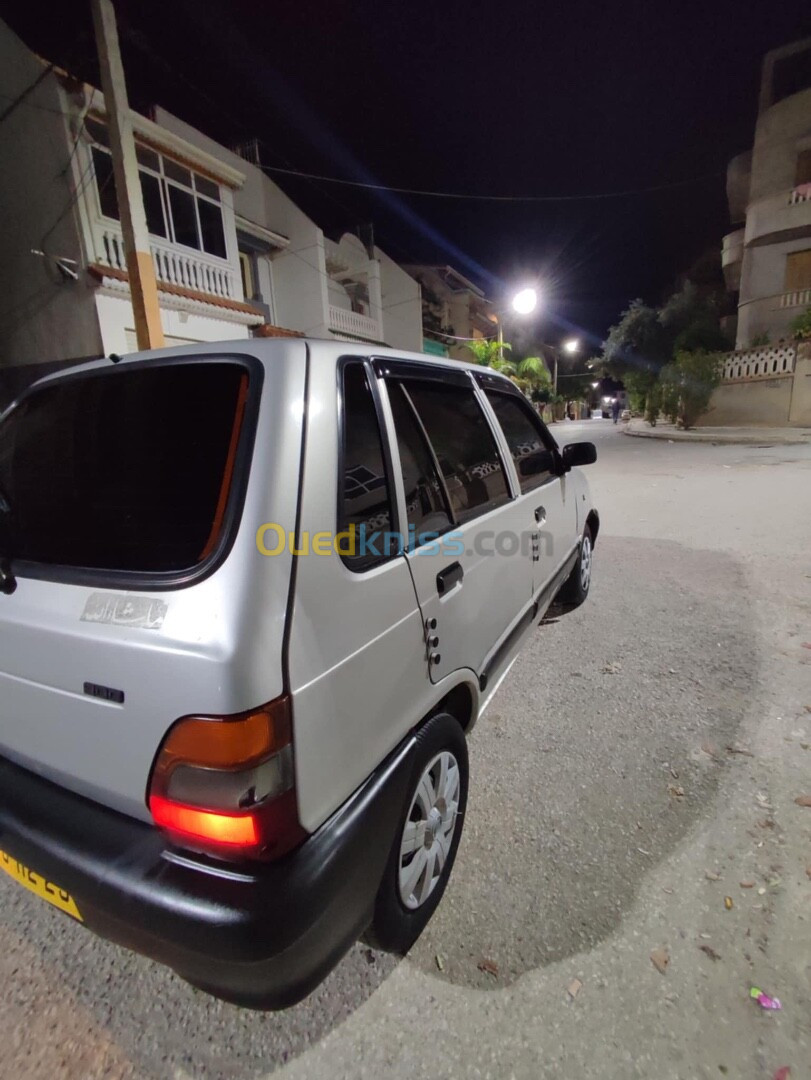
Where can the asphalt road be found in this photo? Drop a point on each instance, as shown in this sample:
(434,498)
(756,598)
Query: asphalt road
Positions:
(610,813)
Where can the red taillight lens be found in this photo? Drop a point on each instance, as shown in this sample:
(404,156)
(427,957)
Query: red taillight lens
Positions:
(240,829)
(226,783)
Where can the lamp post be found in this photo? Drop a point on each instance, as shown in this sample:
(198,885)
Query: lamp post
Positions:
(570,346)
(523,303)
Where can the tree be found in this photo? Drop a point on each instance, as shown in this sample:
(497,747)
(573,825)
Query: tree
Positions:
(487,352)
(686,385)
(532,376)
(638,342)
(646,341)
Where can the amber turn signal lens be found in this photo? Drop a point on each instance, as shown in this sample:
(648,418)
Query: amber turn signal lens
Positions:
(226,742)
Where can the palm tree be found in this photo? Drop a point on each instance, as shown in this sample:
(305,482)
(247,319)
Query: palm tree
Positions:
(487,352)
(534,375)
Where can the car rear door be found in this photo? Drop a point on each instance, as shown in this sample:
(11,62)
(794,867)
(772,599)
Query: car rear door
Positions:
(469,543)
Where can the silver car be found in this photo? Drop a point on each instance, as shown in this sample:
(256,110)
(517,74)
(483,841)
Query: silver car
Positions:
(253,598)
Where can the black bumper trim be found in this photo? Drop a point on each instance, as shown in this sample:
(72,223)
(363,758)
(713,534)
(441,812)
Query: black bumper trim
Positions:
(257,934)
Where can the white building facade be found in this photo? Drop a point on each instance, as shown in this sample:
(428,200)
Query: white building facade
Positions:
(767,257)
(233,255)
(453,309)
(64,272)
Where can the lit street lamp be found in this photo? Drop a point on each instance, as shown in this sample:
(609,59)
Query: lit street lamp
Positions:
(523,303)
(571,346)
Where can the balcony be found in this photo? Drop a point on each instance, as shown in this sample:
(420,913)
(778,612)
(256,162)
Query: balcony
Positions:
(797,298)
(783,216)
(187,269)
(766,362)
(732,257)
(343,321)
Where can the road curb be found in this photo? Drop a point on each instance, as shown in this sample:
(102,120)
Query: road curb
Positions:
(721,440)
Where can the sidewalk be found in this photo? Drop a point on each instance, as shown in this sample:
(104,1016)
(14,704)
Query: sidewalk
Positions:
(757,436)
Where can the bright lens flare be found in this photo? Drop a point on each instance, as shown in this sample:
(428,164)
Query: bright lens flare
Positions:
(571,346)
(525,301)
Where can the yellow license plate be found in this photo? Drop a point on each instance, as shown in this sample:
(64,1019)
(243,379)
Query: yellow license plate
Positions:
(40,886)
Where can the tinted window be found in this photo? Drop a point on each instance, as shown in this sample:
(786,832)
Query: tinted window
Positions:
(464,446)
(105,184)
(524,437)
(153,205)
(184,218)
(211,228)
(126,471)
(365,506)
(425,500)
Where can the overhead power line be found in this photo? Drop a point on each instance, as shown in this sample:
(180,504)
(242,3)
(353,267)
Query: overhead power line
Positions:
(494,198)
(46,71)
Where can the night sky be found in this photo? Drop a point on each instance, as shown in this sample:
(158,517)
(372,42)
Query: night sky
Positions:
(506,98)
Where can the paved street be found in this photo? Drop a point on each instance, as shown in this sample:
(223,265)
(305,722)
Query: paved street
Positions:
(638,765)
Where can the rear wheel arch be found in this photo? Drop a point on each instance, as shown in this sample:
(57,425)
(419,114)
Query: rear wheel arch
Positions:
(460,703)
(593,522)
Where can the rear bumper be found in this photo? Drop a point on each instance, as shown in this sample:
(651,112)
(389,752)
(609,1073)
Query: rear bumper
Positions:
(262,935)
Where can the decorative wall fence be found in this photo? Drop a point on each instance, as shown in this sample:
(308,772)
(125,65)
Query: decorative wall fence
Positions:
(766,362)
(769,386)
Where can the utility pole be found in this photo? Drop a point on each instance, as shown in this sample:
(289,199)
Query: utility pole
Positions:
(141,270)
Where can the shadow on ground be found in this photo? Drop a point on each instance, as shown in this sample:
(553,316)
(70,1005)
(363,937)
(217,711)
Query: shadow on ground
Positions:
(577,769)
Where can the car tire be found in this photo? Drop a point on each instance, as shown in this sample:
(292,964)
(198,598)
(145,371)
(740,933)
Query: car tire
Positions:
(431,825)
(576,587)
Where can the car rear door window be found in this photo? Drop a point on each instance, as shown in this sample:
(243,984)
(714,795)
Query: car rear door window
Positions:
(125,470)
(525,437)
(427,507)
(464,446)
(365,499)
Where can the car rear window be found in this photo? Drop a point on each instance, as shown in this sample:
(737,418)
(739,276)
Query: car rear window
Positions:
(125,469)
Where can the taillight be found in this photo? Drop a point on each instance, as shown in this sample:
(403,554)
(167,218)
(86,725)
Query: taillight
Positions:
(226,784)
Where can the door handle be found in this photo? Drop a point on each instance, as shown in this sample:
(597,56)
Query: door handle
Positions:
(540,514)
(450,576)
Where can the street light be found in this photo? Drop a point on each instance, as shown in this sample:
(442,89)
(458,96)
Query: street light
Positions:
(523,303)
(570,347)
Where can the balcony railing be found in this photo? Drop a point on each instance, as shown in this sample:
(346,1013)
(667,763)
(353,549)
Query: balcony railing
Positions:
(352,322)
(797,298)
(190,270)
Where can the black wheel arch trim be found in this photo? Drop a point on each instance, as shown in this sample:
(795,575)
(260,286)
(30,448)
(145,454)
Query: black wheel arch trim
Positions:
(258,934)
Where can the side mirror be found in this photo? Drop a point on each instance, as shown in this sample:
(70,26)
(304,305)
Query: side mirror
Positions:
(579,453)
(539,461)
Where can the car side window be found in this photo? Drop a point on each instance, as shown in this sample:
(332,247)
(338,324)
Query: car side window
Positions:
(365,494)
(464,447)
(525,437)
(426,506)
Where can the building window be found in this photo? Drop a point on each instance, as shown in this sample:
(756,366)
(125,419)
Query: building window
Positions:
(803,174)
(246,269)
(798,270)
(180,205)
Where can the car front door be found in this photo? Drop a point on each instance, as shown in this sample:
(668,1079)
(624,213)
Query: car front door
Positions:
(546,492)
(469,543)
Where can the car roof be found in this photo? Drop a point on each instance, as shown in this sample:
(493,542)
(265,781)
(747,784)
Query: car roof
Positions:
(270,350)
